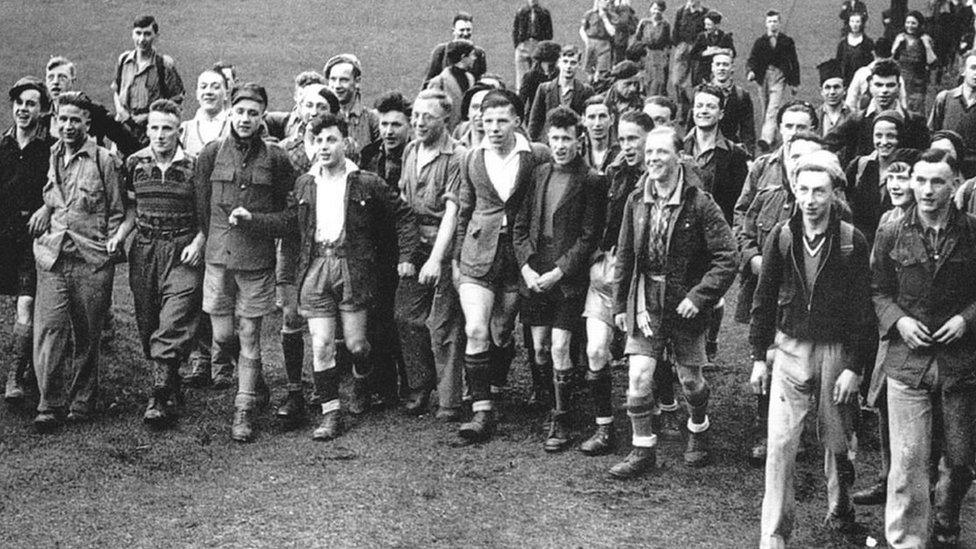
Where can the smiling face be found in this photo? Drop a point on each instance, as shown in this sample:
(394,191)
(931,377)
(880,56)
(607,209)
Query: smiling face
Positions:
(631,138)
(211,91)
(721,67)
(884,90)
(27,109)
(832,91)
(311,102)
(814,193)
(343,83)
(73,125)
(660,156)
(911,24)
(329,147)
(428,120)
(474,111)
(933,185)
(898,183)
(885,137)
(163,130)
(463,30)
(706,111)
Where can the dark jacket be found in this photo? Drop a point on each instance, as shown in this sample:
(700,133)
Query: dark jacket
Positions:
(738,122)
(547,97)
(530,84)
(906,281)
(782,56)
(855,137)
(439,62)
(105,126)
(730,166)
(700,263)
(576,224)
(701,71)
(866,196)
(613,151)
(481,210)
(622,179)
(836,310)
(371,204)
(258,177)
(522,27)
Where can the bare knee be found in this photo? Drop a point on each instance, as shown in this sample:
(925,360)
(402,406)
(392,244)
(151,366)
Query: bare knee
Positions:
(691,379)
(357,345)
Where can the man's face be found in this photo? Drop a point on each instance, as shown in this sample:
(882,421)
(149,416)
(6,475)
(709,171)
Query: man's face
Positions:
(899,186)
(564,144)
(463,30)
(628,88)
(794,122)
(245,117)
(211,92)
(884,89)
(721,68)
(143,38)
(772,24)
(394,129)
(59,80)
(660,114)
(73,124)
(814,193)
(568,65)
(474,110)
(311,102)
(631,138)
(706,111)
(794,151)
(27,109)
(596,119)
(163,130)
(656,12)
(499,125)
(660,157)
(329,147)
(832,91)
(969,72)
(428,120)
(934,185)
(885,137)
(343,83)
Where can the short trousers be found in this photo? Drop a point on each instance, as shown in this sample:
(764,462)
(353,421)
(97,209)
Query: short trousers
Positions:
(324,292)
(286,263)
(686,349)
(553,309)
(247,294)
(503,275)
(599,296)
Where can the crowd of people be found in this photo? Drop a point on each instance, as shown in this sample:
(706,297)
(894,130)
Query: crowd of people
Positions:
(606,201)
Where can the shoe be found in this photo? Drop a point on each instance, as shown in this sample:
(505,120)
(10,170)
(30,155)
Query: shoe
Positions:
(78,417)
(156,415)
(666,424)
(359,401)
(292,408)
(876,494)
(480,428)
(200,377)
(14,391)
(329,428)
(46,422)
(558,438)
(223,378)
(448,415)
(241,430)
(843,522)
(603,441)
(696,453)
(417,402)
(638,462)
(757,455)
(711,351)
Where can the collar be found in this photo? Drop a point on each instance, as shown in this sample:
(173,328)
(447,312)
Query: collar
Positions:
(90,148)
(521,145)
(202,116)
(873,108)
(318,167)
(130,57)
(650,190)
(356,108)
(720,141)
(960,92)
(911,218)
(444,145)
(41,133)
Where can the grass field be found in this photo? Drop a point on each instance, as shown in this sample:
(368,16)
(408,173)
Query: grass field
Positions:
(391,481)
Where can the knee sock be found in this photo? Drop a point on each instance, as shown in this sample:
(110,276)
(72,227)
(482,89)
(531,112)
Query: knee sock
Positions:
(664,380)
(698,409)
(501,363)
(327,389)
(600,385)
(248,376)
(23,349)
(477,368)
(293,349)
(641,412)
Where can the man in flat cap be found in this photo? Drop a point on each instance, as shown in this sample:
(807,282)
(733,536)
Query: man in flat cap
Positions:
(76,247)
(343,74)
(242,185)
(25,151)
(543,69)
(566,90)
(532,25)
(833,111)
(625,94)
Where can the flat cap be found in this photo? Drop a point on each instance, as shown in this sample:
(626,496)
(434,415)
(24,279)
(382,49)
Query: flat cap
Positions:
(625,70)
(249,90)
(31,83)
(357,66)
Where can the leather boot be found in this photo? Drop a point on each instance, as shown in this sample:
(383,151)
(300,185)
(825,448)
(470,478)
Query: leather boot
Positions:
(157,414)
(697,450)
(242,429)
(330,427)
(291,411)
(696,453)
(359,399)
(603,441)
(21,355)
(245,402)
(559,433)
(757,455)
(480,428)
(638,462)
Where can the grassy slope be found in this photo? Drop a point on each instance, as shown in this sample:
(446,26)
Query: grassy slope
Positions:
(391,481)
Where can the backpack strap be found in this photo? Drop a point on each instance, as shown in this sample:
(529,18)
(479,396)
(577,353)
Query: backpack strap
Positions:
(118,74)
(161,76)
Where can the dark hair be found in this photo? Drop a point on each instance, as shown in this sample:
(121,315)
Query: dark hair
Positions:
(639,118)
(502,98)
(882,47)
(599,99)
(77,99)
(469,95)
(166,106)
(462,16)
(59,61)
(711,90)
(953,137)
(144,21)
(393,101)
(663,101)
(321,122)
(660,3)
(812,137)
(917,15)
(798,105)
(221,66)
(563,118)
(714,16)
(936,156)
(886,68)
(457,50)
(305,78)
(772,13)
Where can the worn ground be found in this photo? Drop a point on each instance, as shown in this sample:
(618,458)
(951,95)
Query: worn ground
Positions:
(391,481)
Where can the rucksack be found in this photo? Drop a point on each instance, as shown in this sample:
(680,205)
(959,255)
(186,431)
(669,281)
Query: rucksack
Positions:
(160,76)
(846,239)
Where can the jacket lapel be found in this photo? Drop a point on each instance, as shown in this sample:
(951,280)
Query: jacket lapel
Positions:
(541,187)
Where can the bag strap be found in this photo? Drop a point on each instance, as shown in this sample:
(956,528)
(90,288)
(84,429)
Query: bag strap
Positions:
(161,76)
(846,239)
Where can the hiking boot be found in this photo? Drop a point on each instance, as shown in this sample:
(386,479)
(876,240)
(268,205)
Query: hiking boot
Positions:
(200,377)
(603,441)
(417,402)
(638,462)
(156,415)
(559,436)
(359,400)
(14,391)
(876,494)
(330,426)
(696,453)
(47,422)
(480,428)
(292,408)
(242,429)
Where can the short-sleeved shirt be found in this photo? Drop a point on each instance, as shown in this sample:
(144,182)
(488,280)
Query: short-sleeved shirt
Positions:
(427,187)
(164,200)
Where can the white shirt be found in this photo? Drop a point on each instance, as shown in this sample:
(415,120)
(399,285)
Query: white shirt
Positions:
(503,171)
(330,203)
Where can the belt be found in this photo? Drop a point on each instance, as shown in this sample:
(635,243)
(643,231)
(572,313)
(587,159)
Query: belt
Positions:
(164,233)
(328,249)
